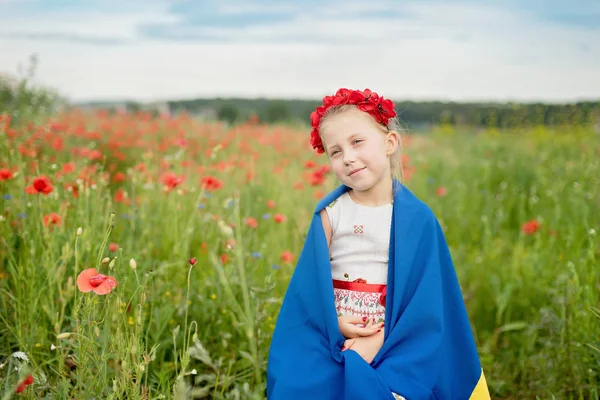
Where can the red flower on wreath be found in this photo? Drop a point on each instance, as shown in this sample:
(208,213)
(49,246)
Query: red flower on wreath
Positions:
(365,100)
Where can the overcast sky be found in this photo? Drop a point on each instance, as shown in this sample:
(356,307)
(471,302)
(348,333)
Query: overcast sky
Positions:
(461,50)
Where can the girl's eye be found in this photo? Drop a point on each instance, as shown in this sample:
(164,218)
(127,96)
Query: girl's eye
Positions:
(333,153)
(357,141)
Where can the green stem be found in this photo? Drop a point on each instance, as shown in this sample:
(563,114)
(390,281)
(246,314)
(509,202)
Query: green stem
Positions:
(250,328)
(185,332)
(111,225)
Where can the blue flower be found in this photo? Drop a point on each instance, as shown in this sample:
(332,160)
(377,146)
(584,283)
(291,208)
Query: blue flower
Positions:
(256,254)
(430,180)
(266,216)
(22,215)
(200,205)
(6,196)
(275,266)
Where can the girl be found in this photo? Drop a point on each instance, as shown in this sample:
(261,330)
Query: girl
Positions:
(373,309)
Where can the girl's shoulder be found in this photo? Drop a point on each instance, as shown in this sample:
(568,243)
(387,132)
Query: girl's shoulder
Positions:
(336,202)
(330,198)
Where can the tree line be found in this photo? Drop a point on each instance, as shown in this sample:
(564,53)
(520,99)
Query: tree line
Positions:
(412,114)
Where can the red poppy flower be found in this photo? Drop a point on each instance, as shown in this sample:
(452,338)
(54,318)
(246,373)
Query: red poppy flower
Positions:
(26,382)
(171,180)
(287,256)
(310,164)
(530,227)
(67,168)
(5,174)
(73,188)
(113,247)
(119,177)
(441,191)
(52,219)
(41,184)
(317,179)
(279,218)
(251,222)
(210,183)
(90,280)
(121,197)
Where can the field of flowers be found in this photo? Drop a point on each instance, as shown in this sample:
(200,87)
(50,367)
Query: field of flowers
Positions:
(146,257)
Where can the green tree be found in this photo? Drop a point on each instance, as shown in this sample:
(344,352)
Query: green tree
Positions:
(24,100)
(228,113)
(277,111)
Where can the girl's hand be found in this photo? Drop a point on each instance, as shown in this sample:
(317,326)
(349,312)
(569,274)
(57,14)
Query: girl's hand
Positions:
(366,347)
(353,327)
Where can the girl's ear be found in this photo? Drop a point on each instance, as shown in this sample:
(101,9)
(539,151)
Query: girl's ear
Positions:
(392,142)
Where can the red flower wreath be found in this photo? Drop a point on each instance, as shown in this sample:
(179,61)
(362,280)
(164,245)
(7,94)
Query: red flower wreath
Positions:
(370,102)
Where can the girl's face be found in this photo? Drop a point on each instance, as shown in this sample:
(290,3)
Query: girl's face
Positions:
(359,152)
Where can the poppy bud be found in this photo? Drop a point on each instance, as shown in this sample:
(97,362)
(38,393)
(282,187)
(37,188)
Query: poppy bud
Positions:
(132,264)
(79,231)
(192,261)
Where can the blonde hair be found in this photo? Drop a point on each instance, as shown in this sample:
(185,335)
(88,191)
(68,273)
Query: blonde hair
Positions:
(392,126)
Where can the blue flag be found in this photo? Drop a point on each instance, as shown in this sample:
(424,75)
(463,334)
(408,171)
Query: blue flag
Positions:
(428,352)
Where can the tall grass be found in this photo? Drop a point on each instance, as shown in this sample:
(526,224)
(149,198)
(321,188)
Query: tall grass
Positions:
(175,329)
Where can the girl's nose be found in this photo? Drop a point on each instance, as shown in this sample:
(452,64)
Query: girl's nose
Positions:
(349,157)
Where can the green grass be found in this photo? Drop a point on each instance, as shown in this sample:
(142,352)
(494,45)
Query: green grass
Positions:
(171,330)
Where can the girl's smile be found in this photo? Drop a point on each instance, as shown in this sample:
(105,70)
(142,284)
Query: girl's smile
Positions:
(356,171)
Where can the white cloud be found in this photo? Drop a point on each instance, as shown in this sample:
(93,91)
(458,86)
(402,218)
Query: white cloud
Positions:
(93,23)
(449,52)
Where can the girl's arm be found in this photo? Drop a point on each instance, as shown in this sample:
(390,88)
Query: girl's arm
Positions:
(326,226)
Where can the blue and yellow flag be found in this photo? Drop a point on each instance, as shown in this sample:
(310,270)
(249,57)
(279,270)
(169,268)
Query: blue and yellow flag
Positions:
(428,352)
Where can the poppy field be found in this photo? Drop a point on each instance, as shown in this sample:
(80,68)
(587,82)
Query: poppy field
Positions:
(145,257)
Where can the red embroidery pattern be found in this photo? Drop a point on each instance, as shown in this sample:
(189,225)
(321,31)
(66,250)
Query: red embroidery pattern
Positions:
(351,302)
(378,315)
(358,229)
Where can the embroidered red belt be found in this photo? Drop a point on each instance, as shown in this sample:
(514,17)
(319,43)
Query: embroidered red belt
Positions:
(362,287)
